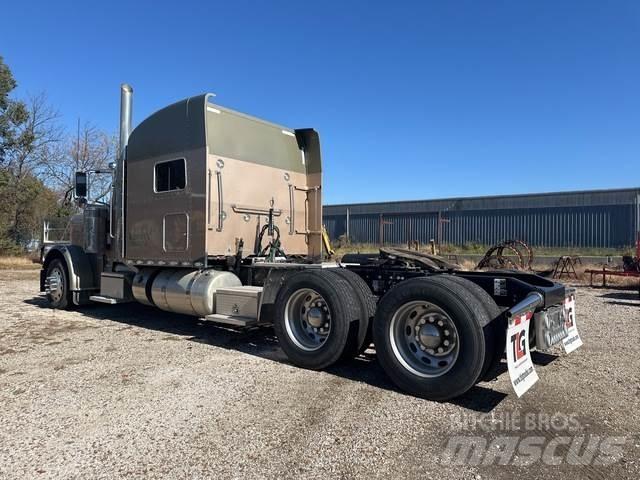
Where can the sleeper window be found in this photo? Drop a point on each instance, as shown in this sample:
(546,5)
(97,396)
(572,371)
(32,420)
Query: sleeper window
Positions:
(170,175)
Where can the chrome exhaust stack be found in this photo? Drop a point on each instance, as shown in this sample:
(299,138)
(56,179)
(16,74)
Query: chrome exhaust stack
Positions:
(118,198)
(126,104)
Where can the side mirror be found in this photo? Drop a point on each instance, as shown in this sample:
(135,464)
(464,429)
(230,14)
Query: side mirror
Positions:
(81,184)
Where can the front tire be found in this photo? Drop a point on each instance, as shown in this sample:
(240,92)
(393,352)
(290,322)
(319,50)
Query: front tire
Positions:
(428,339)
(57,285)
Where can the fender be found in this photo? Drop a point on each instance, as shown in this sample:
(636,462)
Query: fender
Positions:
(82,275)
(272,284)
(276,278)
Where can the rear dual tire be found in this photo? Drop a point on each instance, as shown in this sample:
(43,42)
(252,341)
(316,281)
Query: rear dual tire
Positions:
(434,337)
(493,322)
(317,317)
(367,302)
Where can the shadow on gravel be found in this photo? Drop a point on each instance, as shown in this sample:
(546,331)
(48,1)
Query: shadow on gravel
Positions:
(623,295)
(480,399)
(258,341)
(623,298)
(624,304)
(542,359)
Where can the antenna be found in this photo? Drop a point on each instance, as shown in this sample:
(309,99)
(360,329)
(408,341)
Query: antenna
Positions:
(78,145)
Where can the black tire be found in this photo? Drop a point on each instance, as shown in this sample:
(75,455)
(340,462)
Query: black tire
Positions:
(494,331)
(367,310)
(60,298)
(499,328)
(461,373)
(342,306)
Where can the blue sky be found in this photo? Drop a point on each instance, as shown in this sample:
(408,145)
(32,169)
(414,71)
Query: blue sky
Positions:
(412,99)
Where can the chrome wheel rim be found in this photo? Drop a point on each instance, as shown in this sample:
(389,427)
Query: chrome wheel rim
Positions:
(307,319)
(55,284)
(424,339)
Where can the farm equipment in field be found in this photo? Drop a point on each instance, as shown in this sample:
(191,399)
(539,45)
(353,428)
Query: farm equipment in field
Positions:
(632,264)
(630,269)
(509,254)
(218,215)
(565,266)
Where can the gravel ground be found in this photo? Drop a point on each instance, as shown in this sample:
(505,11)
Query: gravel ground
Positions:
(116,391)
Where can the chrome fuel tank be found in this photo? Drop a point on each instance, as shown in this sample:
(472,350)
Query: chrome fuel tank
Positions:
(141,285)
(191,292)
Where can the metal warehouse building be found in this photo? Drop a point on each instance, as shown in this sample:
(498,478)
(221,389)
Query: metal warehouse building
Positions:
(597,218)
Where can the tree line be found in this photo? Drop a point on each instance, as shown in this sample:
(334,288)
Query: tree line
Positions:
(38,161)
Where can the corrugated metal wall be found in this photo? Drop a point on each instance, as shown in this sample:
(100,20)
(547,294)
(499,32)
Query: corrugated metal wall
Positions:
(600,219)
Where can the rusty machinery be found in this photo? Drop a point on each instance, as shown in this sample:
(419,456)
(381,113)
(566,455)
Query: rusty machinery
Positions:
(499,256)
(630,269)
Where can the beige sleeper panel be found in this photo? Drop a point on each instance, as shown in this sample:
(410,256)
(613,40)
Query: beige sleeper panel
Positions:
(247,192)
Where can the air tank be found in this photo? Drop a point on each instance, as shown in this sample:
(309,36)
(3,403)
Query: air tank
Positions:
(95,228)
(76,230)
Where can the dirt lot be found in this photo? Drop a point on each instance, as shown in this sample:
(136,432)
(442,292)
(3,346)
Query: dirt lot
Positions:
(115,391)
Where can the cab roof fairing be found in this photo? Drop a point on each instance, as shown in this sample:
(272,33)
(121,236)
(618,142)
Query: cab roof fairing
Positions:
(182,126)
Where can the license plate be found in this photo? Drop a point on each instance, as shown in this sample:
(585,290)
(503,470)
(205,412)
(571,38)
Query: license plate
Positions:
(550,326)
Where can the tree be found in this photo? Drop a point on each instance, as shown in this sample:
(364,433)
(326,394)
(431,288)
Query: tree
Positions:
(13,114)
(39,132)
(38,162)
(27,131)
(90,150)
(23,207)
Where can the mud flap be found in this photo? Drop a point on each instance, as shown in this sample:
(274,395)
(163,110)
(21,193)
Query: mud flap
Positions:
(572,341)
(521,371)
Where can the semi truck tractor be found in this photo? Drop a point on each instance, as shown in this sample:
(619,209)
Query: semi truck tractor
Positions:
(218,214)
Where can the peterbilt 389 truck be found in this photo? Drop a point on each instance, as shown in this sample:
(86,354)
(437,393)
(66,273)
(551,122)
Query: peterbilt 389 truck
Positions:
(218,214)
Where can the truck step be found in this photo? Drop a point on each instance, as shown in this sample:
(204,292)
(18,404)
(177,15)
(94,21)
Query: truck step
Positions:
(232,319)
(116,285)
(109,300)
